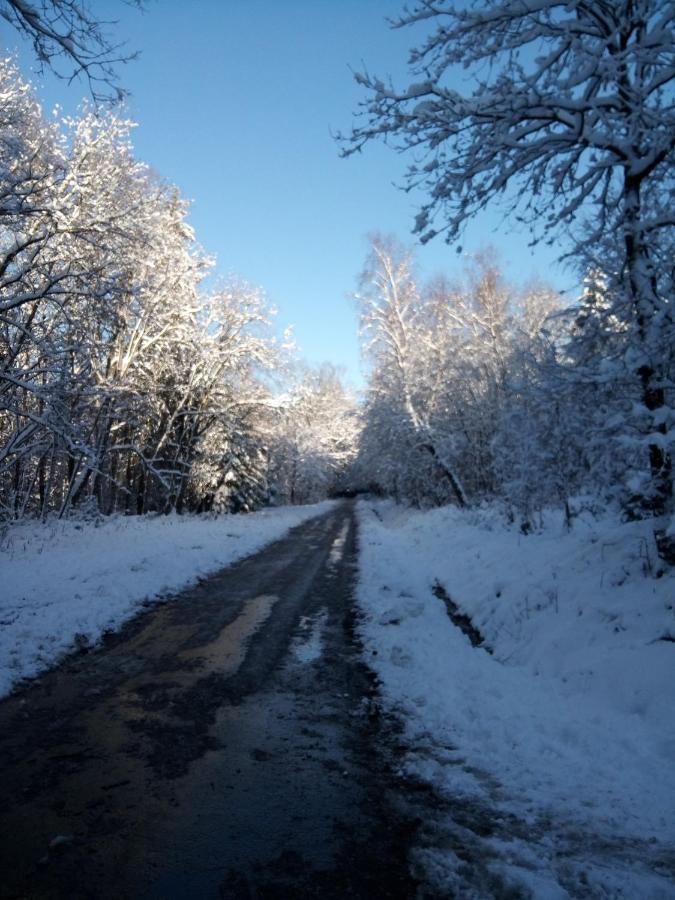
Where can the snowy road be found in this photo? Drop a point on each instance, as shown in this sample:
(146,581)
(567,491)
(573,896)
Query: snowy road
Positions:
(221,745)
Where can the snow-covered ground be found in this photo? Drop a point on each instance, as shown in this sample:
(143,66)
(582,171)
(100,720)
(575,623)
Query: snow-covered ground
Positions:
(555,754)
(64,584)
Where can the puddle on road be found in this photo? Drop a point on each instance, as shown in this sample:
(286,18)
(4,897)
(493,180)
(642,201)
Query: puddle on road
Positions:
(307,646)
(228,651)
(150,696)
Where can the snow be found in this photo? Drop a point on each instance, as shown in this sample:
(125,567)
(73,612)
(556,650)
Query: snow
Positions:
(565,736)
(64,584)
(307,646)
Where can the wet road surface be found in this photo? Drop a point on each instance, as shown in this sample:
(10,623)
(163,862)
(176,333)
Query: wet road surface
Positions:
(225,744)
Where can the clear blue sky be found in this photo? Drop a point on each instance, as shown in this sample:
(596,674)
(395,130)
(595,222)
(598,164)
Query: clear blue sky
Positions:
(236,102)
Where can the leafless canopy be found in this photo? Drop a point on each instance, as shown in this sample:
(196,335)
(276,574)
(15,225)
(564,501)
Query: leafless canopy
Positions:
(543,105)
(71,41)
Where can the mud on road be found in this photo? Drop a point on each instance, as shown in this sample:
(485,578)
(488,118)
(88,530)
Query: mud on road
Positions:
(225,744)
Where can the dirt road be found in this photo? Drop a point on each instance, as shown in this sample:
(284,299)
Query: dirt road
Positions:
(225,744)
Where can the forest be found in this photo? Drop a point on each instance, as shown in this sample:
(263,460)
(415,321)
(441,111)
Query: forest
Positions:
(131,381)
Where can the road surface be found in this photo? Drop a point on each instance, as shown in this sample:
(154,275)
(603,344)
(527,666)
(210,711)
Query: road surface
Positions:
(224,744)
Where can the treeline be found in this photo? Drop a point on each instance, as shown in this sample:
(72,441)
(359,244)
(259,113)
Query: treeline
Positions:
(478,391)
(127,384)
(564,120)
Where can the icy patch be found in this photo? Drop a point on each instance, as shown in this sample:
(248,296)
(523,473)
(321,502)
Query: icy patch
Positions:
(307,646)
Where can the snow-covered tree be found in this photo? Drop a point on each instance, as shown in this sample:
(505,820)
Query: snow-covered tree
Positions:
(316,436)
(392,320)
(471,367)
(124,385)
(567,119)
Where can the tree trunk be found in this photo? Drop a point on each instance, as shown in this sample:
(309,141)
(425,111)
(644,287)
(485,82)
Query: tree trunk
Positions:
(140,495)
(645,304)
(449,476)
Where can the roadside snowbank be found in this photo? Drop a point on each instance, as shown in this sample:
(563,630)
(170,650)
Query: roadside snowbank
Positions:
(570,726)
(68,579)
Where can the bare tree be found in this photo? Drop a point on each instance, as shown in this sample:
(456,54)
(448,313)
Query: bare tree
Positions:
(69,39)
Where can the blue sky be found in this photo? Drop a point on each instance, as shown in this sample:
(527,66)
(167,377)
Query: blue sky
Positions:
(237,104)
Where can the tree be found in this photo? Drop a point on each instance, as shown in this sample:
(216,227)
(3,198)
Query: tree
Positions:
(473,370)
(315,438)
(568,121)
(124,386)
(70,40)
(390,318)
